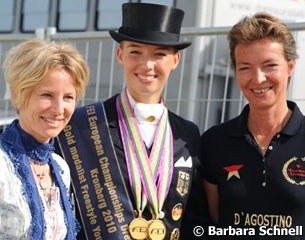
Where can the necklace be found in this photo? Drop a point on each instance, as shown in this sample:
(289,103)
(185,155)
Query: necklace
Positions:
(261,147)
(43,184)
(281,126)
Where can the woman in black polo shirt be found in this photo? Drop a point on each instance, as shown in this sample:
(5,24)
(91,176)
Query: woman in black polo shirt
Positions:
(254,164)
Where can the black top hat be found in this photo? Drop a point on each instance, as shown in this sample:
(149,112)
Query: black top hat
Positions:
(152,24)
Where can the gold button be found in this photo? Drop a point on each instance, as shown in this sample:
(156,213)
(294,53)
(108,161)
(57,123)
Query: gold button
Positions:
(150,119)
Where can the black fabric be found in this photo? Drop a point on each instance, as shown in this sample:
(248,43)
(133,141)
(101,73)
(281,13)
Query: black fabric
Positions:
(267,188)
(151,24)
(186,143)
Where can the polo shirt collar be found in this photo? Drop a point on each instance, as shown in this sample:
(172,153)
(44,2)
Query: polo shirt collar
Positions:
(295,122)
(240,126)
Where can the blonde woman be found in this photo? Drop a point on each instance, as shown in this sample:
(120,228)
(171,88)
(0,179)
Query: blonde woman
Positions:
(45,81)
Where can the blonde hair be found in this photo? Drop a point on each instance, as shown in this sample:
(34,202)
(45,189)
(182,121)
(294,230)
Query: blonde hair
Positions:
(27,64)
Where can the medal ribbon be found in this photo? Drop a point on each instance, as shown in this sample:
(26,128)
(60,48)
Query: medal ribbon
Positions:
(152,173)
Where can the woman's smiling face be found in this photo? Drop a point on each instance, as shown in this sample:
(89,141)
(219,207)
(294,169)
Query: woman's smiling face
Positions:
(50,106)
(263,72)
(146,69)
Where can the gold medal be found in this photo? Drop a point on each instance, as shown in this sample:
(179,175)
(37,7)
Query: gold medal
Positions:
(175,234)
(156,230)
(138,228)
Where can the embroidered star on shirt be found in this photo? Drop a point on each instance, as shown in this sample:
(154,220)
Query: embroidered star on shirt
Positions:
(233,171)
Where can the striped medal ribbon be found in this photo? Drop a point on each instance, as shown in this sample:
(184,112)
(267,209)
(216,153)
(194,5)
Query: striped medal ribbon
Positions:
(149,176)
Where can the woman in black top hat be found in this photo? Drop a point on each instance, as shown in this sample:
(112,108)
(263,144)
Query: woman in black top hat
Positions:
(160,183)
(156,151)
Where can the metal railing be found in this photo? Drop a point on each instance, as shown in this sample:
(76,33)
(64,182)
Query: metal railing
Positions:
(202,89)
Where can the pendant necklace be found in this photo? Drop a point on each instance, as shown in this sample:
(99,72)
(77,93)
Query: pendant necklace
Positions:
(261,147)
(43,184)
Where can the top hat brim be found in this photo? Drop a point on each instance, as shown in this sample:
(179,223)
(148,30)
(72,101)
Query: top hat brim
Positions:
(119,37)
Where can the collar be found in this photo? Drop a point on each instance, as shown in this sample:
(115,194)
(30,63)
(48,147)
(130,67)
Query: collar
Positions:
(239,125)
(38,152)
(149,114)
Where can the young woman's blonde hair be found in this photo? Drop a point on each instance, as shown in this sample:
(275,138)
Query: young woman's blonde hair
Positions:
(27,64)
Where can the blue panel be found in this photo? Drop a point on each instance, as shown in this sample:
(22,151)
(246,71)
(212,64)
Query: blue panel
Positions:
(73,5)
(72,21)
(7,15)
(34,6)
(109,14)
(33,21)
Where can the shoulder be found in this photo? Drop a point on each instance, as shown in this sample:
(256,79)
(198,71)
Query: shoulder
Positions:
(110,101)
(179,123)
(64,167)
(233,127)
(185,133)
(110,108)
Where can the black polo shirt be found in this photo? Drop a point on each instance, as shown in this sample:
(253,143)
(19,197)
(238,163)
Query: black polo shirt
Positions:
(256,190)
